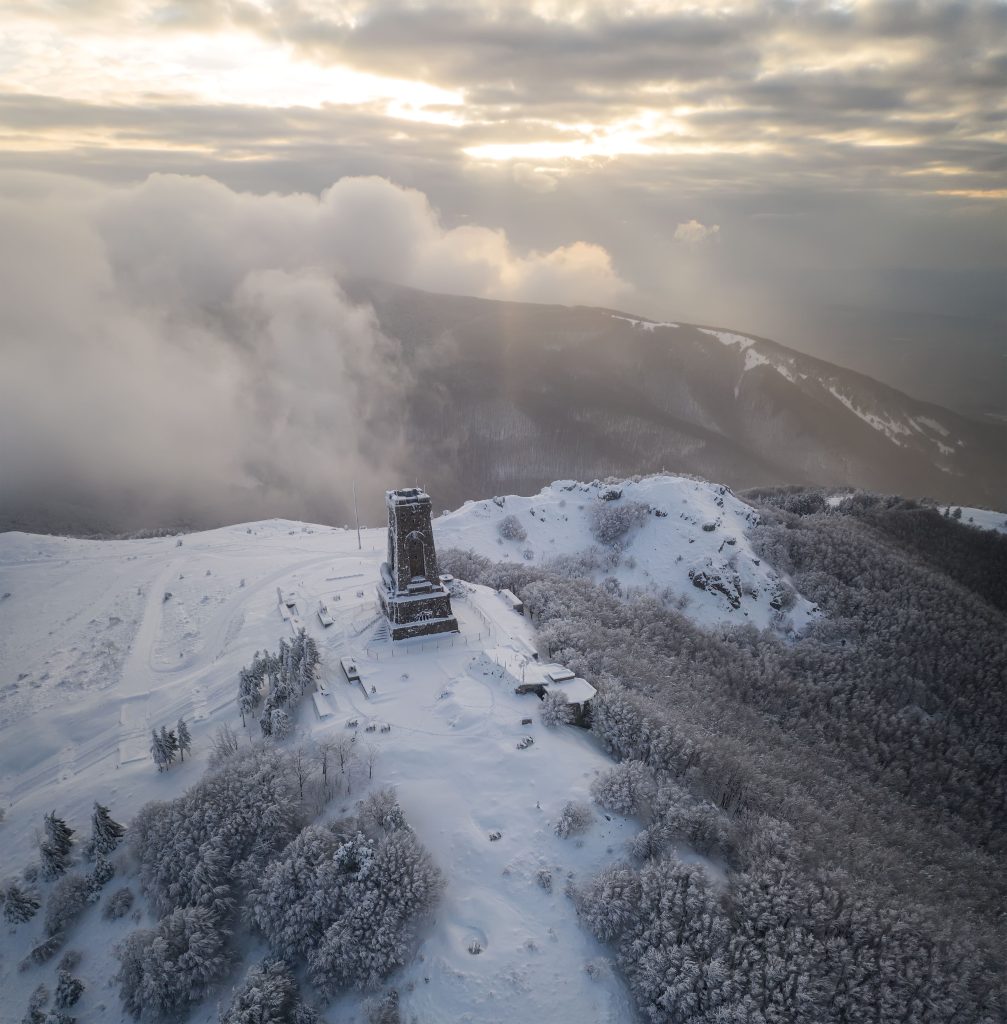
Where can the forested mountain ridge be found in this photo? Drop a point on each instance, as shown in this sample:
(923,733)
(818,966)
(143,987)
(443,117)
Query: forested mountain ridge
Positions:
(850,780)
(508,396)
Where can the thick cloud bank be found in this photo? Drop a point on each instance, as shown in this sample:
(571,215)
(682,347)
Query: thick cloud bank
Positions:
(188,351)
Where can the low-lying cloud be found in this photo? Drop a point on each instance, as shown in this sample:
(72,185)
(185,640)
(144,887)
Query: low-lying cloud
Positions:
(189,350)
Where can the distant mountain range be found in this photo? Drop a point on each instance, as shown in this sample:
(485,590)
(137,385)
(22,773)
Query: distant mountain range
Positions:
(505,397)
(508,396)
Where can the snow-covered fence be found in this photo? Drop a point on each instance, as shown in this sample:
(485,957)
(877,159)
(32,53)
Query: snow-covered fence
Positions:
(380,652)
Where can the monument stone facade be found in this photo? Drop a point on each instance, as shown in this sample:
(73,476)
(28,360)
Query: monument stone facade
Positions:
(412,596)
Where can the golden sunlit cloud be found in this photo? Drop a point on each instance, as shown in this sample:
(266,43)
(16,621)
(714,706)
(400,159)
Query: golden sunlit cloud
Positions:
(221,68)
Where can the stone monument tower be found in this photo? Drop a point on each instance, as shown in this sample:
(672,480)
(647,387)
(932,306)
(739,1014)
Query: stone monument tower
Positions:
(412,596)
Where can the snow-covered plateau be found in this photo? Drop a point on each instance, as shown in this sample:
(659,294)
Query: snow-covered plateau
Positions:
(101,641)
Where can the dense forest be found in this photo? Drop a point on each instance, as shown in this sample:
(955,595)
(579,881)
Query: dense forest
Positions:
(848,783)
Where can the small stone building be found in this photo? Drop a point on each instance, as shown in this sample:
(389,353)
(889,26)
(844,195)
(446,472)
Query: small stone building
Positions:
(413,597)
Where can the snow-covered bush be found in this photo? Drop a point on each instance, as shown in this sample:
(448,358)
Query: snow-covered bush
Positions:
(626,788)
(556,709)
(574,819)
(463,565)
(611,521)
(20,903)
(43,952)
(118,904)
(385,1010)
(68,989)
(162,970)
(70,960)
(510,528)
(268,994)
(69,896)
(36,1002)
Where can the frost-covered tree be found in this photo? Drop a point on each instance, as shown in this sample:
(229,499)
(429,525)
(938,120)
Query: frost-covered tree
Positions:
(574,819)
(184,738)
(346,897)
(510,528)
(105,833)
(68,989)
(221,831)
(54,847)
(611,521)
(280,726)
(68,898)
(20,903)
(102,873)
(163,970)
(224,746)
(169,744)
(626,788)
(158,750)
(118,904)
(556,709)
(268,994)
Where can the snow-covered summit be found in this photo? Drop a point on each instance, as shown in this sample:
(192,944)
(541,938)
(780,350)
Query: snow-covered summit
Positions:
(689,544)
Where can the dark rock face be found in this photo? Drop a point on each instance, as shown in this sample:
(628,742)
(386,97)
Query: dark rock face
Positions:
(713,581)
(412,596)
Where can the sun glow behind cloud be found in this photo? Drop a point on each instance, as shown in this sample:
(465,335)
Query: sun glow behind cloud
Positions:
(225,67)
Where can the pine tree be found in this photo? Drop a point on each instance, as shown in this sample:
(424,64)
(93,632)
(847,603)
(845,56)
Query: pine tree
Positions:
(19,905)
(158,751)
(105,833)
(184,738)
(54,849)
(170,743)
(280,726)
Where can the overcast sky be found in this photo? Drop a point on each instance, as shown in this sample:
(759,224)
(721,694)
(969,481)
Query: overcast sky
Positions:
(830,174)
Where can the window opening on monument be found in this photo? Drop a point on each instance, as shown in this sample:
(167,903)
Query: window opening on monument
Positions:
(416,554)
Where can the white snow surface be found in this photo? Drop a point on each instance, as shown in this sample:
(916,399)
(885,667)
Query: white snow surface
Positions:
(657,556)
(644,325)
(92,656)
(981,518)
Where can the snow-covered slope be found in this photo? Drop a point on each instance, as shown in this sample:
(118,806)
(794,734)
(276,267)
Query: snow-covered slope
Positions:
(102,640)
(981,518)
(692,548)
(81,691)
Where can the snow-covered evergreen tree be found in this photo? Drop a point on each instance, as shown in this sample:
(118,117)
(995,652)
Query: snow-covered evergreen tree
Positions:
(268,995)
(101,874)
(281,725)
(169,744)
(158,751)
(105,832)
(184,738)
(54,847)
(20,904)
